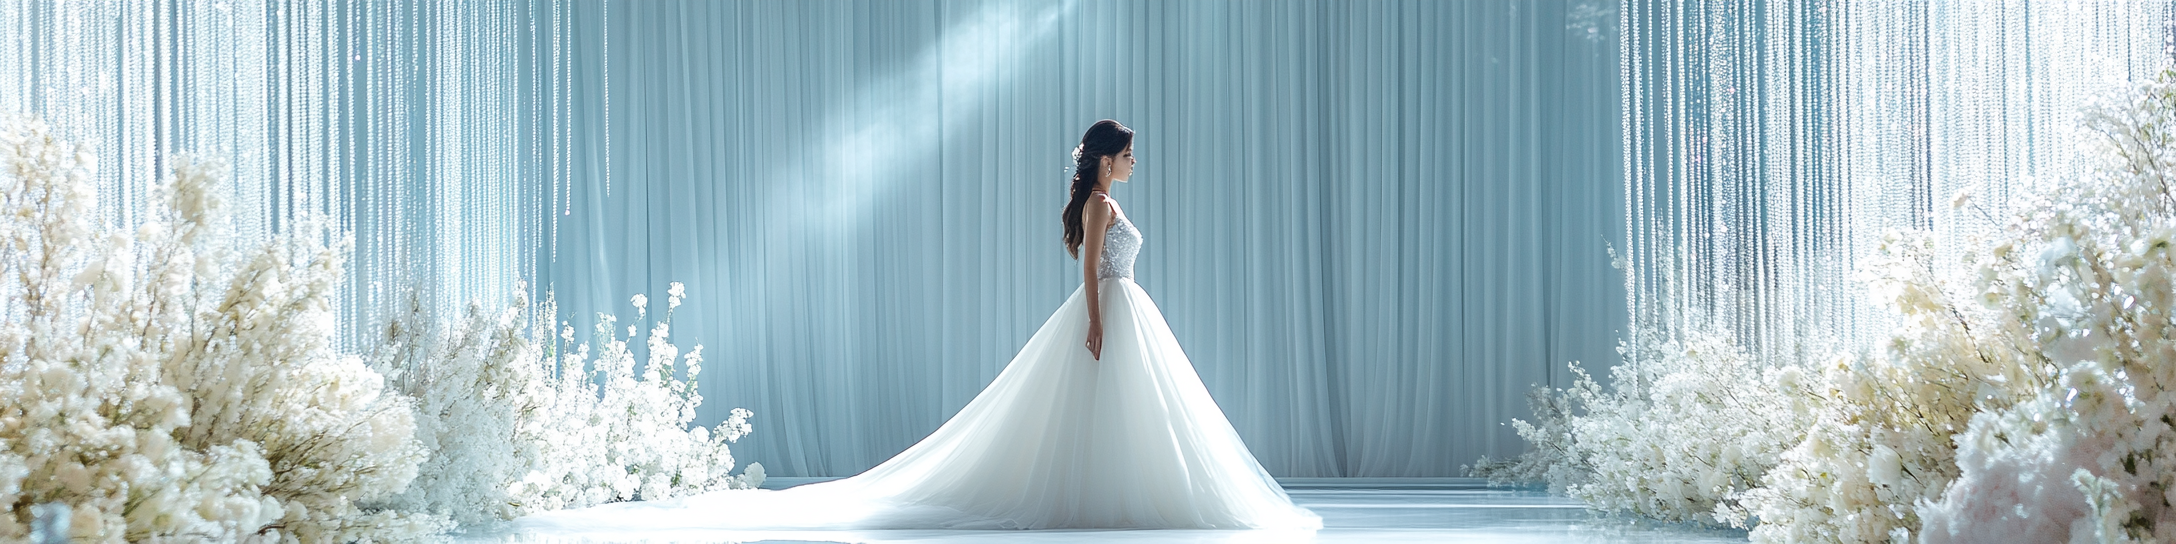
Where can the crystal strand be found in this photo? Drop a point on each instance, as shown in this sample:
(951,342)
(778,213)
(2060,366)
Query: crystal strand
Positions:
(227,120)
(1631,102)
(1676,143)
(564,77)
(606,73)
(14,60)
(42,79)
(312,108)
(292,141)
(559,118)
(483,261)
(470,184)
(445,178)
(535,142)
(496,49)
(320,139)
(521,188)
(106,136)
(339,66)
(495,129)
(400,51)
(536,120)
(396,146)
(91,128)
(327,120)
(564,101)
(501,135)
(403,118)
(501,229)
(193,116)
(475,135)
(60,44)
(250,137)
(144,147)
(515,211)
(163,129)
(476,185)
(532,199)
(133,109)
(452,174)
(384,67)
(284,109)
(456,128)
(373,161)
(450,179)
(489,230)
(440,263)
(284,144)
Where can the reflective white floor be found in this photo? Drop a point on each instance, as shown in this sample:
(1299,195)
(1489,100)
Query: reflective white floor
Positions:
(1352,509)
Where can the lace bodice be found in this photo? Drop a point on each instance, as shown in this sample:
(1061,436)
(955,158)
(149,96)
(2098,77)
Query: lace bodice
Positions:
(1121,243)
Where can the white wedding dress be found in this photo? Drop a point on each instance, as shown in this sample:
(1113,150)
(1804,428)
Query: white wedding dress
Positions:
(1058,440)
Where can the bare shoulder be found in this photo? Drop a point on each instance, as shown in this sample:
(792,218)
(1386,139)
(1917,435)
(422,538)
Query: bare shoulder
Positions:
(1100,207)
(1111,211)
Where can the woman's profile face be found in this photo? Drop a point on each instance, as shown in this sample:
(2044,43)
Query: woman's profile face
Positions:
(1122,164)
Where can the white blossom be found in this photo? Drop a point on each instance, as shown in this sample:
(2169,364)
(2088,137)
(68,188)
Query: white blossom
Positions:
(167,382)
(1685,426)
(2025,395)
(161,383)
(2090,453)
(529,421)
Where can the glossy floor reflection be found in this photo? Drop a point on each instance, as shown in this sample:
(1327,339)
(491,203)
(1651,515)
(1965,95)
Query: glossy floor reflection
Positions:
(1352,509)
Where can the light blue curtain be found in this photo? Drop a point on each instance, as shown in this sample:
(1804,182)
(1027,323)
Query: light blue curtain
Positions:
(1373,225)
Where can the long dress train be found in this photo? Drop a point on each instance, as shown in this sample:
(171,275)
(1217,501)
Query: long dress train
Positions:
(1058,440)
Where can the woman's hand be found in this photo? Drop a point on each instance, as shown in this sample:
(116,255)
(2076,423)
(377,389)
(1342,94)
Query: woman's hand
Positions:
(1095,338)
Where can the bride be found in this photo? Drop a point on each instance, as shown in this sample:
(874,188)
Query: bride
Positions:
(1099,422)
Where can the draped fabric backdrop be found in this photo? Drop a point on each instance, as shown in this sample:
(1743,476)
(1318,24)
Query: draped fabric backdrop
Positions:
(1771,145)
(1373,225)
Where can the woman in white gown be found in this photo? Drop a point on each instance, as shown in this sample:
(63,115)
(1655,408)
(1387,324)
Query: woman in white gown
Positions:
(1099,422)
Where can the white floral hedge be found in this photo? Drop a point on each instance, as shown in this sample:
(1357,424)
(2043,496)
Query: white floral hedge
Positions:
(2027,396)
(164,384)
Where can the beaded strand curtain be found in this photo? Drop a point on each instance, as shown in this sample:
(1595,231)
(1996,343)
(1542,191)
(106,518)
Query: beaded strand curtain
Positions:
(1769,145)
(438,133)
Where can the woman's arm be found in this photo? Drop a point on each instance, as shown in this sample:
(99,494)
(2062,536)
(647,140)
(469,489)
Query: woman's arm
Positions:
(1095,217)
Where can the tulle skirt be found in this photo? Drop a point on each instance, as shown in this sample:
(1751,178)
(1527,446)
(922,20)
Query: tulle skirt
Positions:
(1058,440)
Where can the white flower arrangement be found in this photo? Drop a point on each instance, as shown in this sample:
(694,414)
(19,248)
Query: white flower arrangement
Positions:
(2089,454)
(156,385)
(521,421)
(154,388)
(1679,434)
(2026,396)
(1880,441)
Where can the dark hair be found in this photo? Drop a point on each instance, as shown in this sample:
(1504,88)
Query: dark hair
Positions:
(1105,138)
